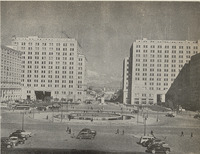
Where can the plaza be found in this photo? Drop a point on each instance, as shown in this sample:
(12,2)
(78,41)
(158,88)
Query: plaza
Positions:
(51,133)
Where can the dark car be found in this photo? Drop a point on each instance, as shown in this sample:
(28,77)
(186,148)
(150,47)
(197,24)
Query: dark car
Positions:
(89,131)
(14,140)
(169,115)
(197,116)
(153,141)
(23,133)
(19,136)
(6,143)
(41,108)
(86,133)
(159,148)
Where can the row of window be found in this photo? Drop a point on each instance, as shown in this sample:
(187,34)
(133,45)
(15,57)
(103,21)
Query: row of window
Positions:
(51,81)
(166,46)
(50,72)
(50,53)
(160,60)
(50,85)
(43,44)
(51,63)
(45,49)
(158,65)
(161,56)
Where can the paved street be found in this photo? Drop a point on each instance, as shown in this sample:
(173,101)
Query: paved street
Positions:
(48,134)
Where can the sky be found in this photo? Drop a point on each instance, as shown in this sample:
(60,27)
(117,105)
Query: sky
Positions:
(105,30)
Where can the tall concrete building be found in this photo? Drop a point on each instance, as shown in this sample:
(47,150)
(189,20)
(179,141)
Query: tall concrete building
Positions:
(10,74)
(152,67)
(185,91)
(53,67)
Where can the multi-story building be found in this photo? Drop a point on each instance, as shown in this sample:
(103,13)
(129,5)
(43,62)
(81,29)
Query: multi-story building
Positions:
(10,74)
(53,67)
(185,90)
(153,66)
(126,80)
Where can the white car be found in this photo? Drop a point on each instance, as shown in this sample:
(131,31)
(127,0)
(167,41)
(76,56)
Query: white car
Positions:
(23,132)
(14,140)
(143,139)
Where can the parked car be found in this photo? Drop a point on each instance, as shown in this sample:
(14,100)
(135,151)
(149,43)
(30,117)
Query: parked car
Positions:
(169,115)
(154,141)
(21,138)
(18,134)
(143,139)
(197,116)
(42,108)
(89,131)
(6,143)
(86,133)
(159,148)
(24,133)
(14,140)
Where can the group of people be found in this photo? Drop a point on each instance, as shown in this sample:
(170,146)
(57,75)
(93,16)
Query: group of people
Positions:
(117,132)
(68,130)
(182,134)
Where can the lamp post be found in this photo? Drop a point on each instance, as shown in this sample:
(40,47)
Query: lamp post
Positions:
(22,120)
(61,112)
(137,115)
(145,116)
(157,116)
(33,113)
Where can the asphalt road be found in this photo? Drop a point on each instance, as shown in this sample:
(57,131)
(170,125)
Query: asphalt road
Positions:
(49,135)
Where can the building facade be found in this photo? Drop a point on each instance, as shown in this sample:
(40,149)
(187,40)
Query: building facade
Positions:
(10,74)
(126,80)
(153,66)
(51,67)
(185,90)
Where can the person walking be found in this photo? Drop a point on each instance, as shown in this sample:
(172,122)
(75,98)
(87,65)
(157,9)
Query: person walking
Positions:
(117,131)
(182,134)
(191,134)
(122,132)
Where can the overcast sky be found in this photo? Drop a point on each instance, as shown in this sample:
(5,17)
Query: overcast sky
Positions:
(105,30)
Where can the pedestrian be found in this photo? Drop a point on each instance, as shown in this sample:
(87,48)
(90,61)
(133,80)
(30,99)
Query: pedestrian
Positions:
(67,129)
(117,131)
(182,134)
(151,132)
(47,117)
(191,134)
(70,131)
(123,132)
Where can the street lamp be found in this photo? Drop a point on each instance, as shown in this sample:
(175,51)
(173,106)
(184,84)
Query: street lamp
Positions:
(157,116)
(145,116)
(61,112)
(22,120)
(137,115)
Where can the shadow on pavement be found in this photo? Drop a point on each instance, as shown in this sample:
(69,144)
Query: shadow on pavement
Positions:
(61,151)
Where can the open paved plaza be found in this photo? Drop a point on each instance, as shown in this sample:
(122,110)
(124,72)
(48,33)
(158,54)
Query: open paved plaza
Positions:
(51,133)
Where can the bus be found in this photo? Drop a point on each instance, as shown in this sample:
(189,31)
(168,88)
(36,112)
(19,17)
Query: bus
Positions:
(22,107)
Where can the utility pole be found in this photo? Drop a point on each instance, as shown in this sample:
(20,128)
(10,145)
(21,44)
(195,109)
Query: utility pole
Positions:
(33,113)
(157,116)
(22,120)
(145,119)
(61,112)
